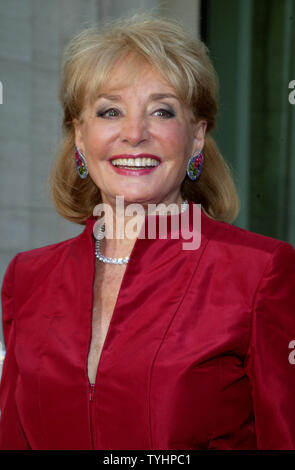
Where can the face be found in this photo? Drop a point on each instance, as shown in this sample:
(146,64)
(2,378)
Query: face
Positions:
(137,137)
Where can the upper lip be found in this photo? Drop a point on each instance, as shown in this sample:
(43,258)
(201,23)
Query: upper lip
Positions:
(139,155)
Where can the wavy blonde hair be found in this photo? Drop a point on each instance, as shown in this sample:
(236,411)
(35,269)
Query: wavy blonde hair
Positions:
(89,59)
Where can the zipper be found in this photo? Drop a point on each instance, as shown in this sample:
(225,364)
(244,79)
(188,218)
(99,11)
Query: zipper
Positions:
(91,411)
(91,391)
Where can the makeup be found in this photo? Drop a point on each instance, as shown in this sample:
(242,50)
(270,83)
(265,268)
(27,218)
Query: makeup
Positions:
(134,165)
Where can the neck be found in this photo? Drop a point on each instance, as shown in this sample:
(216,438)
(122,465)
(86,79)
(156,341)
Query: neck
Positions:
(122,225)
(124,219)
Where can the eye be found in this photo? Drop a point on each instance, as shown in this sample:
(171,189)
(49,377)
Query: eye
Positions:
(108,113)
(164,113)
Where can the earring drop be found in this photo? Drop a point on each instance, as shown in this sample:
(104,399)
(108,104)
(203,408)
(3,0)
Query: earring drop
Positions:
(194,166)
(81,166)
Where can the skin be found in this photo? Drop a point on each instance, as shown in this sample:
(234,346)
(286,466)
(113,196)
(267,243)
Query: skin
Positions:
(128,119)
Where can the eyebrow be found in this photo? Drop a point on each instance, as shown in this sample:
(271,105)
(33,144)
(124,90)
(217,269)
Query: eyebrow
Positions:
(160,96)
(153,96)
(109,97)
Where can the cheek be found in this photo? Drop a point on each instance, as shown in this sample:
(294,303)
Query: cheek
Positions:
(96,138)
(179,141)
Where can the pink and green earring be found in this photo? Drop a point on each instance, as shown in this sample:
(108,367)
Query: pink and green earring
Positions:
(194,166)
(81,166)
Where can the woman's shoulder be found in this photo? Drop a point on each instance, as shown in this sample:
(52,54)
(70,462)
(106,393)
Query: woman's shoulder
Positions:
(240,239)
(237,254)
(47,251)
(45,258)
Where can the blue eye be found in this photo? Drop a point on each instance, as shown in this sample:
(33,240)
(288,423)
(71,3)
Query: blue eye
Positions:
(108,113)
(164,113)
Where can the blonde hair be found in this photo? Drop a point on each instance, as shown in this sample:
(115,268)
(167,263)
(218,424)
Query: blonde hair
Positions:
(88,61)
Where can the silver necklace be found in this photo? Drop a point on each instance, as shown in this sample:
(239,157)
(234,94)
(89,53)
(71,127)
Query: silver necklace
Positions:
(105,259)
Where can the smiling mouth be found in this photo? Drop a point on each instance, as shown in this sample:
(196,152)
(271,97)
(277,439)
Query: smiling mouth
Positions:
(135,163)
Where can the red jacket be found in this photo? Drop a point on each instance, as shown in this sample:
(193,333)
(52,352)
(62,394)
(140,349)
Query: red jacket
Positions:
(197,354)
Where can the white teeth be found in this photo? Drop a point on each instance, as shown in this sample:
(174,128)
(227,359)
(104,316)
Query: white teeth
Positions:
(135,162)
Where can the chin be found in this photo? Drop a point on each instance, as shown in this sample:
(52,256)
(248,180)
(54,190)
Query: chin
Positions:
(137,198)
(136,195)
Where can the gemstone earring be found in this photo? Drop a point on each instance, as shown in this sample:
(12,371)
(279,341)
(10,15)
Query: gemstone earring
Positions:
(81,166)
(194,166)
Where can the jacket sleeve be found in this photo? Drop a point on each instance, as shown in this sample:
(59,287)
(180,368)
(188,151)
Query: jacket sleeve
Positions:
(269,367)
(12,436)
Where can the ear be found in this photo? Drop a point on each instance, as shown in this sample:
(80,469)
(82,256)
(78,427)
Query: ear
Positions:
(78,134)
(200,128)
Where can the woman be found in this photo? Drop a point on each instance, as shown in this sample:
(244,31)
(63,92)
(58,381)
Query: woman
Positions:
(168,348)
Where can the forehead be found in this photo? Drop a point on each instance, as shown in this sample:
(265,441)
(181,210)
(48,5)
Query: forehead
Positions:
(132,73)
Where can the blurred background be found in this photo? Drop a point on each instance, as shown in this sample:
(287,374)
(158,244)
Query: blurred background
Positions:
(252,46)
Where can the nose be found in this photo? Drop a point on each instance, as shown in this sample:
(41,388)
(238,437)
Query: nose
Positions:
(134,130)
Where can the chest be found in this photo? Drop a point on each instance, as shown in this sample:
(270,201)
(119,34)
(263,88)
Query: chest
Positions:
(107,283)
